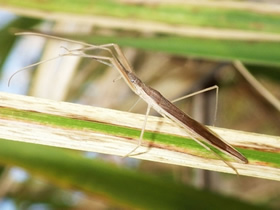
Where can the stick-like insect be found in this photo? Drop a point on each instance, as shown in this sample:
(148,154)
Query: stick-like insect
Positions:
(152,97)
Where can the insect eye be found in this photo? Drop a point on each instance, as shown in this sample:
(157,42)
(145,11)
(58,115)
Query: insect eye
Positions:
(132,78)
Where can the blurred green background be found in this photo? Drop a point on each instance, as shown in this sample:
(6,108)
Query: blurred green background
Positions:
(177,47)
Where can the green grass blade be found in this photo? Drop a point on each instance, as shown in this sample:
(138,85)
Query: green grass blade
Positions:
(125,187)
(201,16)
(249,50)
(265,53)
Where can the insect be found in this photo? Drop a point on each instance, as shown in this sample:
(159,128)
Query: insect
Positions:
(152,97)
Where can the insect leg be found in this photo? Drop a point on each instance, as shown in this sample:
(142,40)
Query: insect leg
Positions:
(142,131)
(203,91)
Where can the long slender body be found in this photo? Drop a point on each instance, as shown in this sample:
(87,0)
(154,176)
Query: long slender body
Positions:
(168,109)
(153,98)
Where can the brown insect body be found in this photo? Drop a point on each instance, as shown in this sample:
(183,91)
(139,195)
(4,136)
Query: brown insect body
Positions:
(168,109)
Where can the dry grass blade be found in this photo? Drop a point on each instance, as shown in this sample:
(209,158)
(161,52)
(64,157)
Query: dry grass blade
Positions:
(79,127)
(257,85)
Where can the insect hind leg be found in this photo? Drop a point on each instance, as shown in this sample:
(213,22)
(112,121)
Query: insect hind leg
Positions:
(215,87)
